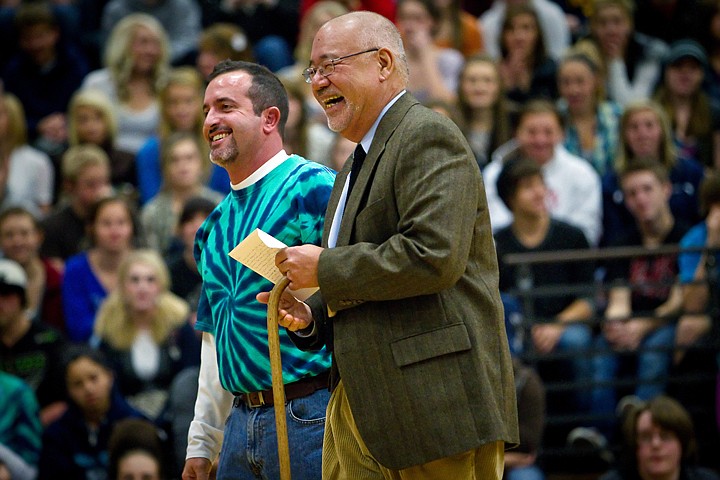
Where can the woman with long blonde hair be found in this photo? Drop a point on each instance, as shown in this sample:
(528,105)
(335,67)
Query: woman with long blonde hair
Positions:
(92,120)
(143,329)
(136,67)
(27,172)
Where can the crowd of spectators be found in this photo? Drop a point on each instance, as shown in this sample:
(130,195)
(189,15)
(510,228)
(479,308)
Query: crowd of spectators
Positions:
(596,124)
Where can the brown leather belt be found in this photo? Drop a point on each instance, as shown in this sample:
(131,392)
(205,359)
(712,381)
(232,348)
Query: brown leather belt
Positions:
(301,388)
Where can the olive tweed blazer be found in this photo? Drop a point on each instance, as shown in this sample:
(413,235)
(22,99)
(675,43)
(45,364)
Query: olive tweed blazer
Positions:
(418,336)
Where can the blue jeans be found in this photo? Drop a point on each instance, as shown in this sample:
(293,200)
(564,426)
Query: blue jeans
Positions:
(250,452)
(653,364)
(577,340)
(531,472)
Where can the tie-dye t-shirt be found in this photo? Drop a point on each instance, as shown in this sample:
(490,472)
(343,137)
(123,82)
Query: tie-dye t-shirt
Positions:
(288,203)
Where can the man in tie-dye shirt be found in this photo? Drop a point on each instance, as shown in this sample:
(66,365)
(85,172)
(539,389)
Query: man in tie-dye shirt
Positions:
(285,196)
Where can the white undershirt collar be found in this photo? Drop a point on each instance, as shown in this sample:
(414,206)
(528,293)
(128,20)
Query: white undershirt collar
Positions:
(261,172)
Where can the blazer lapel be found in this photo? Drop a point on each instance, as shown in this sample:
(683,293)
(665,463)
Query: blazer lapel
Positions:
(387,126)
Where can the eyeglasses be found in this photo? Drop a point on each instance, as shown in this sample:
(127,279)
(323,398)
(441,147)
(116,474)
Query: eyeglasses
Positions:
(647,437)
(329,67)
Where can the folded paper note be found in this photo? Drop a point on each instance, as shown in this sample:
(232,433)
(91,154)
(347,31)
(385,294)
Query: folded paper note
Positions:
(257,252)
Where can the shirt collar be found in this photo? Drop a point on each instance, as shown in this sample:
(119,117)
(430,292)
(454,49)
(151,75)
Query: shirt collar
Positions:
(261,172)
(368,138)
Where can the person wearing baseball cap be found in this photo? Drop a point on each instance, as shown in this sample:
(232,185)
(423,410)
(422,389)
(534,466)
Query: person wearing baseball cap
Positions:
(12,279)
(686,48)
(29,349)
(695,119)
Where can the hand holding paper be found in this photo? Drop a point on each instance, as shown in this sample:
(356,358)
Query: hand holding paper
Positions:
(300,265)
(258,252)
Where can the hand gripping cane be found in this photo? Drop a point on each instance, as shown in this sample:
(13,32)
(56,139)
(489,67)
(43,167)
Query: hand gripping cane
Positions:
(277,379)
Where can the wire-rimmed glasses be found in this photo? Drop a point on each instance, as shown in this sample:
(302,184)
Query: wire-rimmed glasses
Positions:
(329,67)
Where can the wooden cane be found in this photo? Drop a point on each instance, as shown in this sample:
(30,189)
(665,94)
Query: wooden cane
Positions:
(277,379)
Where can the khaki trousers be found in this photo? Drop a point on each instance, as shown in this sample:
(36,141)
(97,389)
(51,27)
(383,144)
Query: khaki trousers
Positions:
(345,456)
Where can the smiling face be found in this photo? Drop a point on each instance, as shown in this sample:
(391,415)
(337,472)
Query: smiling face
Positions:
(351,95)
(231,127)
(537,134)
(20,238)
(643,134)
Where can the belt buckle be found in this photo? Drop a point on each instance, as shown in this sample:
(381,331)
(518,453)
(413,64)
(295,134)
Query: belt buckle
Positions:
(249,400)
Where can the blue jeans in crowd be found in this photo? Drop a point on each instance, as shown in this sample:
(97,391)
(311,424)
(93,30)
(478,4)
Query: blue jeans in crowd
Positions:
(250,450)
(531,472)
(654,356)
(576,340)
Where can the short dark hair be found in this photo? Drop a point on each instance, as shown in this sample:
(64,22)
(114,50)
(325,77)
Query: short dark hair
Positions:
(131,435)
(195,206)
(668,414)
(709,192)
(645,165)
(265,91)
(537,106)
(430,7)
(514,170)
(30,14)
(79,350)
(16,211)
(95,210)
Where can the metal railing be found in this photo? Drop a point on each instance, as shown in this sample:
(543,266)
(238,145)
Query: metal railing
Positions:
(527,292)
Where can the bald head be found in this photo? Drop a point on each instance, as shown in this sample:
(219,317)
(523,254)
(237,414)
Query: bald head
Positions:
(371,30)
(363,62)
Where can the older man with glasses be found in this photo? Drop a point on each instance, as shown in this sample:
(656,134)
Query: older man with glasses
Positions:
(422,382)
